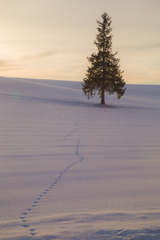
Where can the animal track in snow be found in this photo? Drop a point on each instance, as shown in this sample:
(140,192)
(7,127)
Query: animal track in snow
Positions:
(24,216)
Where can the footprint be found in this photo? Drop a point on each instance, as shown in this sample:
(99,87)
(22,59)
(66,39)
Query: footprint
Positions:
(29,209)
(25,225)
(33,234)
(25,213)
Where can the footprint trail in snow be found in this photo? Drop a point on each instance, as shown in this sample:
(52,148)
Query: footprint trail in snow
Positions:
(25,215)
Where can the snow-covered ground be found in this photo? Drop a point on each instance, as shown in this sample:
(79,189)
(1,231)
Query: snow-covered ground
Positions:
(73,169)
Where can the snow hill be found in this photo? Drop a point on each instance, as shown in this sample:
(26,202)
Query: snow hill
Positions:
(71,168)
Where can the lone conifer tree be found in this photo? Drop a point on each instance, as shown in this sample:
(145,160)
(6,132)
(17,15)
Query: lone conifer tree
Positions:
(104,74)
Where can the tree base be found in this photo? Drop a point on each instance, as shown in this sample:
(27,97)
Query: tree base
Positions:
(102,101)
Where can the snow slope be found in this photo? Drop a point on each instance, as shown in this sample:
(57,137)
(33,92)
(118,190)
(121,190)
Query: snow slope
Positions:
(73,169)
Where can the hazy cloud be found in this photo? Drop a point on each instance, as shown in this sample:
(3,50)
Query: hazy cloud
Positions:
(6,64)
(40,55)
(147,47)
(12,64)
(3,63)
(144,47)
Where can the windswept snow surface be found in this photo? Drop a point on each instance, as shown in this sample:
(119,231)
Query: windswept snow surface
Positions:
(73,169)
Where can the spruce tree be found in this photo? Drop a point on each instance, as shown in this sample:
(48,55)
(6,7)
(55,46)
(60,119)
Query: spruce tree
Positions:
(104,74)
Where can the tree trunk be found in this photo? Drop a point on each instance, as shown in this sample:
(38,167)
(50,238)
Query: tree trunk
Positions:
(102,97)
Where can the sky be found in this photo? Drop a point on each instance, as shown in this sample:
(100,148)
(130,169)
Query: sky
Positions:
(50,39)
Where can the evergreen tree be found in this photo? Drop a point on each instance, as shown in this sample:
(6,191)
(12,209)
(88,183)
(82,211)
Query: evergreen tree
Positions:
(104,74)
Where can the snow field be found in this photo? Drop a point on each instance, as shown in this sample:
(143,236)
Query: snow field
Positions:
(73,169)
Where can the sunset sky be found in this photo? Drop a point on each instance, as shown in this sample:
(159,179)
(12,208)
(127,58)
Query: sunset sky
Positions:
(50,39)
